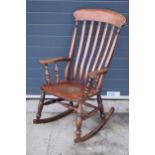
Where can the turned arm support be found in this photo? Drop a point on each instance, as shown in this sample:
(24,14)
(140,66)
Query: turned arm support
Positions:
(97,73)
(92,78)
(52,61)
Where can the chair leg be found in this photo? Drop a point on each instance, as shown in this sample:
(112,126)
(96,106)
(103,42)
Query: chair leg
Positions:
(100,106)
(79,120)
(40,106)
(97,128)
(38,120)
(104,120)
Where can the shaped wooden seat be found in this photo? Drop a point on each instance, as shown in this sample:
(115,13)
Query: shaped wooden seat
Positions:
(93,43)
(70,90)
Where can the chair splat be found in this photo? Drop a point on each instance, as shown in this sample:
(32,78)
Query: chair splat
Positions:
(100,47)
(79,49)
(108,60)
(107,47)
(93,50)
(86,49)
(72,49)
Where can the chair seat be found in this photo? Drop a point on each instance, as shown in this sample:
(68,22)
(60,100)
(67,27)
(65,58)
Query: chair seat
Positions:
(70,90)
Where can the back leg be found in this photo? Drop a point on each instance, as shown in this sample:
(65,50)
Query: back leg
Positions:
(49,119)
(40,105)
(100,106)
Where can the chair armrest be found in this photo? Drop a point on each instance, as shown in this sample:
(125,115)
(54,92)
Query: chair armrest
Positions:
(53,60)
(92,77)
(95,74)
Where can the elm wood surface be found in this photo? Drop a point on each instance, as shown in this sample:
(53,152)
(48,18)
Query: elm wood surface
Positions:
(101,15)
(70,90)
(84,77)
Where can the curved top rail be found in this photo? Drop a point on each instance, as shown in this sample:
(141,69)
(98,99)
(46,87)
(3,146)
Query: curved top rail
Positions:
(102,15)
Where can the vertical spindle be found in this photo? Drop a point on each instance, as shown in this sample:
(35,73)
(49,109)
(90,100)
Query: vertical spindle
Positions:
(47,74)
(56,69)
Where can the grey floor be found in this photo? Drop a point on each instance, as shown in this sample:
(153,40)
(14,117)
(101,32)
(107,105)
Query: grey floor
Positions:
(56,138)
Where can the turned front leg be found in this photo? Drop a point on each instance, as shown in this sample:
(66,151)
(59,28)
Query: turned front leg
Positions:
(79,120)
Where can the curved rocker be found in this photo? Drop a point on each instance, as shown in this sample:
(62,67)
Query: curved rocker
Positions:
(53,118)
(96,129)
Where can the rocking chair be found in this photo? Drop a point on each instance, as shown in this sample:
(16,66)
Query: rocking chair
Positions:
(95,34)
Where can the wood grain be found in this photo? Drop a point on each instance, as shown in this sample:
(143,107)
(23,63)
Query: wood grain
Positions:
(102,15)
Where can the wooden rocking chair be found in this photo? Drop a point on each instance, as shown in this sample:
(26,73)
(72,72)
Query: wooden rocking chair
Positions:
(85,69)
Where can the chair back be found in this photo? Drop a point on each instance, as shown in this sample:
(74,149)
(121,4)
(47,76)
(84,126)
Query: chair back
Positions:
(94,39)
